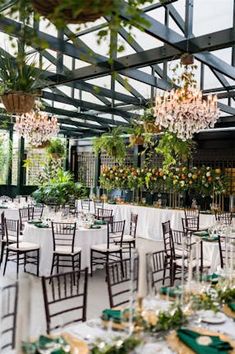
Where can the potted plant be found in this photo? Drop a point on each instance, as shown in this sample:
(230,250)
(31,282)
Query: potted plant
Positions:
(112,144)
(137,137)
(18,84)
(56,149)
(59,190)
(149,122)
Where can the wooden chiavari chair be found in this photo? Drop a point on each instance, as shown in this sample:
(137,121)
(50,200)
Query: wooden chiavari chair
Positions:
(9,305)
(157,266)
(118,280)
(112,249)
(224,217)
(25,214)
(65,253)
(105,215)
(22,253)
(86,204)
(65,297)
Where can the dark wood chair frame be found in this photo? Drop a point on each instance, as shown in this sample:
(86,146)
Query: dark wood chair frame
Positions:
(118,280)
(86,204)
(225,217)
(9,313)
(63,287)
(25,214)
(64,235)
(13,227)
(105,214)
(157,263)
(115,232)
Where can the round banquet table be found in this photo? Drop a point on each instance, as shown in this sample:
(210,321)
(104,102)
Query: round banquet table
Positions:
(85,238)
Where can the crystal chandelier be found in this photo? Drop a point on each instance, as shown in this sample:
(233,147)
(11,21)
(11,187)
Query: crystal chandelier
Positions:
(184,111)
(36,127)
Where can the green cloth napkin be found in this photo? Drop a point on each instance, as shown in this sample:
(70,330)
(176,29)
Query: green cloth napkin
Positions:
(211,277)
(34,222)
(44,343)
(110,202)
(110,314)
(217,346)
(201,233)
(172,292)
(3,207)
(42,226)
(100,222)
(231,305)
(95,227)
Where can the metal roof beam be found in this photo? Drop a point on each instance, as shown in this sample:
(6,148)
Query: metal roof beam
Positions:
(88,105)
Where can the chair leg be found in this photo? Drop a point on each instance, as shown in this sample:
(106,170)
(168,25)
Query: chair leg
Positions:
(17,264)
(80,256)
(164,271)
(52,265)
(6,260)
(2,252)
(38,262)
(121,259)
(91,264)
(73,267)
(57,263)
(25,261)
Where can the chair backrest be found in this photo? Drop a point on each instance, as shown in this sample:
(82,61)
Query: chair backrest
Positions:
(133,224)
(118,280)
(86,204)
(63,235)
(65,297)
(191,213)
(98,204)
(9,303)
(224,217)
(5,198)
(38,211)
(226,250)
(105,214)
(25,214)
(157,269)
(190,225)
(115,232)
(168,239)
(12,231)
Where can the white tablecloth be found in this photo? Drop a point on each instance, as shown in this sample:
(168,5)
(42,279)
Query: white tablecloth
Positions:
(11,213)
(150,219)
(85,238)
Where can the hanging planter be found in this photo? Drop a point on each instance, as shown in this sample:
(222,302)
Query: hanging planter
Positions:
(44,145)
(70,11)
(18,102)
(56,149)
(18,83)
(136,140)
(151,127)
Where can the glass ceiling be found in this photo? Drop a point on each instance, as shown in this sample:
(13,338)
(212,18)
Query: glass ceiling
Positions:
(100,102)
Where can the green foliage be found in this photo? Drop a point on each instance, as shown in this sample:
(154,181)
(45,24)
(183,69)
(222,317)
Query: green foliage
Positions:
(56,147)
(111,9)
(168,320)
(5,157)
(59,189)
(117,346)
(111,143)
(173,149)
(17,75)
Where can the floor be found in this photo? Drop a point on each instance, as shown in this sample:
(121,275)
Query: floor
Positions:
(31,319)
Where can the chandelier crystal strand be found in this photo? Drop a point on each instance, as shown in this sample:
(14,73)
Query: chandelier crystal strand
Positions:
(36,127)
(185,111)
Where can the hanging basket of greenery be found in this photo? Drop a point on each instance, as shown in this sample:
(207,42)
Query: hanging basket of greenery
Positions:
(18,84)
(151,127)
(136,140)
(18,102)
(44,145)
(72,11)
(56,149)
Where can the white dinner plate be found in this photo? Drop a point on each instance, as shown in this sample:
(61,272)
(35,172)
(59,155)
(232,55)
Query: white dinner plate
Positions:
(212,317)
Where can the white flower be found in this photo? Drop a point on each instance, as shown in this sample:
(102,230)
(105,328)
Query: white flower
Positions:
(208,174)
